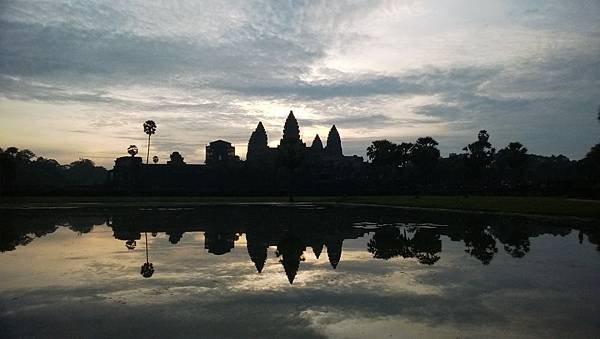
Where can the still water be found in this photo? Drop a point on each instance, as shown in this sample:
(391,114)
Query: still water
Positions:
(305,271)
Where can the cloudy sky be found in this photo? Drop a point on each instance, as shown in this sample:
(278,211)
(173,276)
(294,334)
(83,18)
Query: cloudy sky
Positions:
(78,78)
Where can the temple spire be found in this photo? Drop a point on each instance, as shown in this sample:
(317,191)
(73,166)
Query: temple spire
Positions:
(258,142)
(317,144)
(334,143)
(334,251)
(291,131)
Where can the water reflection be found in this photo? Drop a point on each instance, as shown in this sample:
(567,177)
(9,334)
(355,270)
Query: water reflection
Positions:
(299,272)
(147,269)
(391,233)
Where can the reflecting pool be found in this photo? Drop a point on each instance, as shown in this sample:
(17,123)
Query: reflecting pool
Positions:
(284,271)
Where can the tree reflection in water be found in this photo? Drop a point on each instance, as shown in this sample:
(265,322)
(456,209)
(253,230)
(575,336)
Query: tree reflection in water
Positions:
(424,244)
(292,229)
(480,244)
(147,269)
(130,244)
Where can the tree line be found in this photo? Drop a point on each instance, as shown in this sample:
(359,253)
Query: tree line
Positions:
(404,168)
(481,168)
(21,171)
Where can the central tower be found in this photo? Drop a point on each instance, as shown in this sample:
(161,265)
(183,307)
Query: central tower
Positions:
(291,131)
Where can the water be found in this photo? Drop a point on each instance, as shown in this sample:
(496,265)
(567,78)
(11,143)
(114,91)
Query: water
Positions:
(295,271)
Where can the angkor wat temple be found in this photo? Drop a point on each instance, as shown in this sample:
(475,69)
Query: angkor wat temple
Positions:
(260,153)
(314,169)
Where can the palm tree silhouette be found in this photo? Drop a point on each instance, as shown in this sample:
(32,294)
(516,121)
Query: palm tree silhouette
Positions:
(149,128)
(147,268)
(130,244)
(132,150)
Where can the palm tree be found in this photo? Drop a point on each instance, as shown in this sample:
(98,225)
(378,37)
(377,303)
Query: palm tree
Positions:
(517,155)
(132,150)
(425,155)
(149,128)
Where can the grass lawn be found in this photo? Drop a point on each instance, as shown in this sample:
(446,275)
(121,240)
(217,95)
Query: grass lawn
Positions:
(527,205)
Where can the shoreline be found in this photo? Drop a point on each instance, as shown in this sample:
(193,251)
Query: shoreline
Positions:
(502,205)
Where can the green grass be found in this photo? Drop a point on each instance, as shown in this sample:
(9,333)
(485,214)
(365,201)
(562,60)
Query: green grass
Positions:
(527,205)
(556,206)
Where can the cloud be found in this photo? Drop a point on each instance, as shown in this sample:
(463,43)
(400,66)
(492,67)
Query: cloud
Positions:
(523,70)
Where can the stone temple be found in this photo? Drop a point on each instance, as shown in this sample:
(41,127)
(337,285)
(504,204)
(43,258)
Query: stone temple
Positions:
(260,153)
(317,169)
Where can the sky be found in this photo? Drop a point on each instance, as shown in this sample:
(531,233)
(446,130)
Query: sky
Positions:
(79,78)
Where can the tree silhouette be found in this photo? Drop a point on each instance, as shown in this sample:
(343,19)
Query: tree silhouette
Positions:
(132,150)
(388,242)
(25,155)
(130,244)
(147,269)
(591,164)
(11,151)
(480,244)
(176,159)
(515,240)
(425,156)
(404,153)
(84,172)
(479,155)
(382,152)
(426,245)
(514,156)
(149,128)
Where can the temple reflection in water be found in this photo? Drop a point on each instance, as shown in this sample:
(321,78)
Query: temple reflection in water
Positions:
(297,231)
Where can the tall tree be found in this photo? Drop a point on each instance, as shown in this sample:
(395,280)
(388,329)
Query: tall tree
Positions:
(591,164)
(404,154)
(382,152)
(516,155)
(513,156)
(149,128)
(387,153)
(425,156)
(479,155)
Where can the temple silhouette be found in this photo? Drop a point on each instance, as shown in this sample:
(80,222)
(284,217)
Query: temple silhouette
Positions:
(296,168)
(260,153)
(316,169)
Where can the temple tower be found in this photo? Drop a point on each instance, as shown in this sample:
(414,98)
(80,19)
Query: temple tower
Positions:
(334,143)
(317,144)
(258,143)
(291,131)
